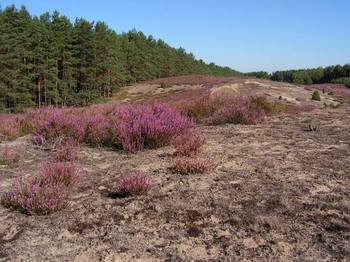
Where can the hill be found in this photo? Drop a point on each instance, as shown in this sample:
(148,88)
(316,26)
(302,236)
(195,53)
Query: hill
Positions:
(268,182)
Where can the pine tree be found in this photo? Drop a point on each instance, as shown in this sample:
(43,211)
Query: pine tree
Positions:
(84,60)
(47,60)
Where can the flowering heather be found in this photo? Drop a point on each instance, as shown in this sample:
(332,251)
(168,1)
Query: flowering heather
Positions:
(135,183)
(97,129)
(186,166)
(36,196)
(104,109)
(10,127)
(10,155)
(140,126)
(188,143)
(65,173)
(221,108)
(35,118)
(198,108)
(67,123)
(240,111)
(133,126)
(66,151)
(45,193)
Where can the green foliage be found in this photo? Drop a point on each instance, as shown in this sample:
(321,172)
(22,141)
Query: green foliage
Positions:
(331,74)
(302,78)
(259,74)
(48,60)
(342,80)
(316,96)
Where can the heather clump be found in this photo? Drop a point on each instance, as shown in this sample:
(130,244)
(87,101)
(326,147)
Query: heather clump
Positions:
(188,143)
(58,123)
(10,155)
(261,103)
(140,126)
(45,193)
(10,126)
(130,126)
(200,108)
(49,190)
(66,173)
(35,118)
(241,111)
(36,196)
(135,183)
(220,108)
(186,166)
(98,129)
(66,150)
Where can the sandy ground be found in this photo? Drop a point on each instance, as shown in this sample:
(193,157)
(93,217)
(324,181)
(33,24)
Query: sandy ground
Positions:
(278,193)
(174,90)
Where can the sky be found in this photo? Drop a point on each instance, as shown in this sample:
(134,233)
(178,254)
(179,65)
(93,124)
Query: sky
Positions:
(246,35)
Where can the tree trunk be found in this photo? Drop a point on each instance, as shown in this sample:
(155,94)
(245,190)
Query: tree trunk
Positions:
(39,93)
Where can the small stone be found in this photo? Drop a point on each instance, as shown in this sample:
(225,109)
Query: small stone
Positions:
(283,247)
(249,243)
(11,233)
(223,233)
(101,188)
(88,256)
(66,234)
(260,241)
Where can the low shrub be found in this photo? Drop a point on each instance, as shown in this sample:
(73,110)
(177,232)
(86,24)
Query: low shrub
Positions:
(316,96)
(47,192)
(35,118)
(188,143)
(10,126)
(10,155)
(163,85)
(240,112)
(140,126)
(66,151)
(65,173)
(97,130)
(278,108)
(131,126)
(186,166)
(135,183)
(261,103)
(36,196)
(66,123)
(200,108)
(219,109)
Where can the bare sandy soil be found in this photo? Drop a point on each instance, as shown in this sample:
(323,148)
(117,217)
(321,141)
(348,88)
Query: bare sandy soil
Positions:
(278,193)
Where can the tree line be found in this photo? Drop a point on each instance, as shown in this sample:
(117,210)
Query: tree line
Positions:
(48,60)
(330,74)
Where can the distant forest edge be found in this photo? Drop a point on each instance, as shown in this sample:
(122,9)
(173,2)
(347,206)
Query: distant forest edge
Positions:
(331,74)
(48,60)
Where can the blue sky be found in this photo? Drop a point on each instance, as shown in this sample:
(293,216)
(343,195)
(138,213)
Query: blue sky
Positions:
(246,35)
